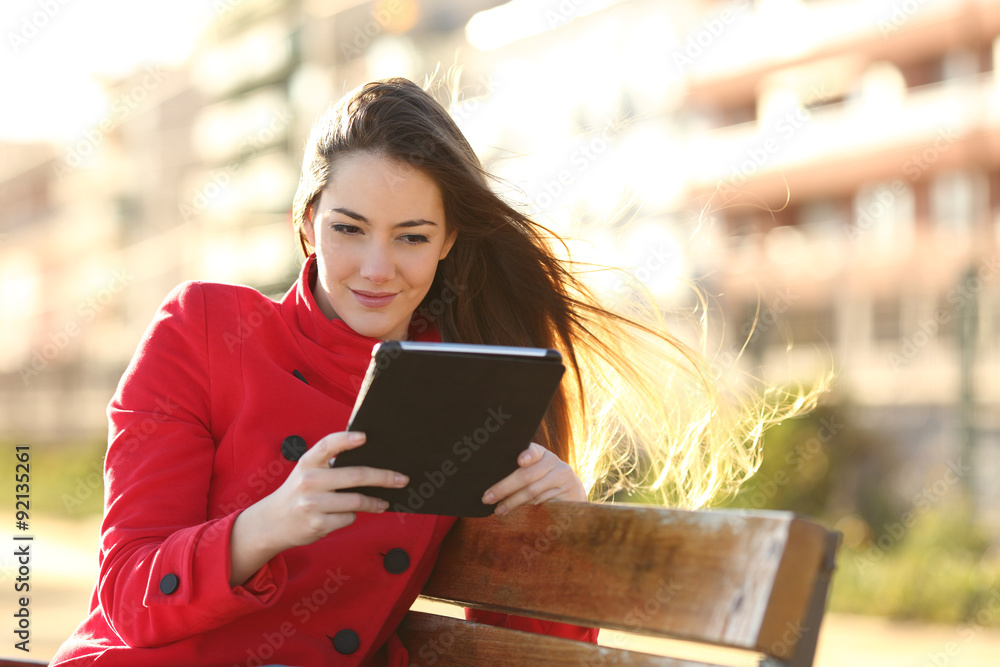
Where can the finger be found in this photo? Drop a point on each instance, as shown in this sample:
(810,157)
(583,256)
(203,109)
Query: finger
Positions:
(559,483)
(555,493)
(337,503)
(353,476)
(533,454)
(327,447)
(535,462)
(523,496)
(518,479)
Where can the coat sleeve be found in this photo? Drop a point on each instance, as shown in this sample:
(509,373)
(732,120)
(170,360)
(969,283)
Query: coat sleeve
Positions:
(535,625)
(165,564)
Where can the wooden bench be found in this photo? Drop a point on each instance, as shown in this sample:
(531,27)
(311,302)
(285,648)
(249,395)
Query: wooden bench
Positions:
(755,581)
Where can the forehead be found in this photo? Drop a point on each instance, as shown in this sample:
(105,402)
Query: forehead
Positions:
(362,175)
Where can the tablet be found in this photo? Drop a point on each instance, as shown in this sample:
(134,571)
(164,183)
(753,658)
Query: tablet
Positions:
(453,417)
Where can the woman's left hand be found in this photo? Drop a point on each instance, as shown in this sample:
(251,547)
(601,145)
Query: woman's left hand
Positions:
(542,476)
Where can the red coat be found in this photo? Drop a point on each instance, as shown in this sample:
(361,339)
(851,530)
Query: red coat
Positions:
(225,391)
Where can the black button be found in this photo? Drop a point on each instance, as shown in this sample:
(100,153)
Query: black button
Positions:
(169,584)
(293,447)
(396,561)
(346,642)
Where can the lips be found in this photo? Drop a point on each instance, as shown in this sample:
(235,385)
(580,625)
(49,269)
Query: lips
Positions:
(374,299)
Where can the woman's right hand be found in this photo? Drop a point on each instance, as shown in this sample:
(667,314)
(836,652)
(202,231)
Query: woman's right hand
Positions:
(307,506)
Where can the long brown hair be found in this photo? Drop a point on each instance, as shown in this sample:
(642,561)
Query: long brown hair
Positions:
(638,406)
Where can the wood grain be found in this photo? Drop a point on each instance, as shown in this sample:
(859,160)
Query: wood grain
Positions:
(729,578)
(444,642)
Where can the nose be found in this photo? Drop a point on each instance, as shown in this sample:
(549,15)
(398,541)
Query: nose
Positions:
(377,266)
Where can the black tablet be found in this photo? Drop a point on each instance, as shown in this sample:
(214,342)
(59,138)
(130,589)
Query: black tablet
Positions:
(453,417)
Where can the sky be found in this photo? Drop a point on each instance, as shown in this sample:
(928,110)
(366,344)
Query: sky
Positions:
(54,53)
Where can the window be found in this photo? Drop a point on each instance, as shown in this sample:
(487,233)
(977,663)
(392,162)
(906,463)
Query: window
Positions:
(883,214)
(958,64)
(886,319)
(957,200)
(811,324)
(822,214)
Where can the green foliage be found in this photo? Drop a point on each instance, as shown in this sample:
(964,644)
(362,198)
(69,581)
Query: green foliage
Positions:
(65,480)
(938,568)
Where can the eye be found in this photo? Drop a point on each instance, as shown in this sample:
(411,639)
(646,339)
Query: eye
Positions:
(414,239)
(344,228)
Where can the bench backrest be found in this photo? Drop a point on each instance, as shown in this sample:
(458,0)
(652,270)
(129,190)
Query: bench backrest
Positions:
(749,580)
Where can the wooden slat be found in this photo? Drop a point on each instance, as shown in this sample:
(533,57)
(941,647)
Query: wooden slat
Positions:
(808,630)
(706,576)
(802,574)
(444,641)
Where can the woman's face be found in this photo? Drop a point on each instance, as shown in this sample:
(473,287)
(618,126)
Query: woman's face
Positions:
(379,233)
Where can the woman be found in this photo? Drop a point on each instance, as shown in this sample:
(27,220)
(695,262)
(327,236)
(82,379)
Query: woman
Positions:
(226,539)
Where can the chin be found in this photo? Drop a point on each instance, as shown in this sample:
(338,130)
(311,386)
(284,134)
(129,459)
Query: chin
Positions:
(373,329)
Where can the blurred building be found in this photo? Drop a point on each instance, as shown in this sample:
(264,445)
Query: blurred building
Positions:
(86,229)
(826,170)
(239,194)
(860,193)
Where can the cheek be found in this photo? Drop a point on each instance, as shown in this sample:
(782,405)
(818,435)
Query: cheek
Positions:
(421,270)
(337,256)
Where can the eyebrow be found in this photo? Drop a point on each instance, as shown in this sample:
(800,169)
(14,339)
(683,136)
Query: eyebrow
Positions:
(360,218)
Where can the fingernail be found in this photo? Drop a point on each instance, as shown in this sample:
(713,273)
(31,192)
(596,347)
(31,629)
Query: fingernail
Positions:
(402,479)
(383,506)
(488,497)
(523,458)
(356,437)
(501,509)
